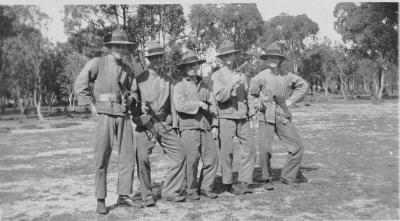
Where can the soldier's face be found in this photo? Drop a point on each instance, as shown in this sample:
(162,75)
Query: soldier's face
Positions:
(228,59)
(273,61)
(156,60)
(192,70)
(118,51)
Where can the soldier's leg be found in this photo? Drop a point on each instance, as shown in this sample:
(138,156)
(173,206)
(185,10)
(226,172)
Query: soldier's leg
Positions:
(248,160)
(289,136)
(102,147)
(227,131)
(173,148)
(145,144)
(191,145)
(126,156)
(266,133)
(209,156)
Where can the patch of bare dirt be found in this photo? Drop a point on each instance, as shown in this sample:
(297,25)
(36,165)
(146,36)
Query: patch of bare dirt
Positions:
(351,162)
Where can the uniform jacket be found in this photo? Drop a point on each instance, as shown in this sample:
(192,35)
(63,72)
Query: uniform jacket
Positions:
(232,104)
(100,77)
(187,95)
(266,84)
(156,91)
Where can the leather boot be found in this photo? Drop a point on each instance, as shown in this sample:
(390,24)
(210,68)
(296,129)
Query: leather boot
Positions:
(124,201)
(268,185)
(101,206)
(244,188)
(208,194)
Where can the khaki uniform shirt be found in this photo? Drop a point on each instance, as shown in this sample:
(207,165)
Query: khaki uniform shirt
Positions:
(266,84)
(156,91)
(187,96)
(98,83)
(232,104)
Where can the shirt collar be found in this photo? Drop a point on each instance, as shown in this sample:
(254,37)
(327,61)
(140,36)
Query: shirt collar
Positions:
(190,80)
(112,59)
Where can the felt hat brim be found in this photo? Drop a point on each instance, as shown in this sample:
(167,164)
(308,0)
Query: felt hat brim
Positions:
(227,52)
(119,43)
(265,56)
(199,62)
(154,54)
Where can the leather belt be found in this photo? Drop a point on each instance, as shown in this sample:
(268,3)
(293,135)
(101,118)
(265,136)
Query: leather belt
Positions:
(161,117)
(109,97)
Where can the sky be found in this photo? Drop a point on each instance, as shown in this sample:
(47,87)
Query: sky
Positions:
(320,11)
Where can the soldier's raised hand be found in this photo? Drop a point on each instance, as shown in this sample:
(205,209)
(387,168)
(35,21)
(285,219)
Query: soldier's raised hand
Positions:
(203,105)
(127,100)
(145,109)
(214,132)
(236,79)
(93,110)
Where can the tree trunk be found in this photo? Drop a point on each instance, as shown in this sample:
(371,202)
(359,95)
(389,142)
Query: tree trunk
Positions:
(70,99)
(37,100)
(343,84)
(124,15)
(73,103)
(325,85)
(365,85)
(376,86)
(343,91)
(381,84)
(3,104)
(21,106)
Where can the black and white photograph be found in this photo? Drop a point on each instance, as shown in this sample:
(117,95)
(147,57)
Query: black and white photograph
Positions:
(199,110)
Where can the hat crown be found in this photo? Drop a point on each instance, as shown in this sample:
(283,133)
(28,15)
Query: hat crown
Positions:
(154,47)
(189,56)
(119,35)
(274,49)
(225,46)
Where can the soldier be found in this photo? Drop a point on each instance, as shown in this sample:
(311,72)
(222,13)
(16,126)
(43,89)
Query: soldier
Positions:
(110,75)
(231,89)
(155,89)
(270,91)
(198,124)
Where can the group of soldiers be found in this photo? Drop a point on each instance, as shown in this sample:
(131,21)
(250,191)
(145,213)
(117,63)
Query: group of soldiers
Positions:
(185,118)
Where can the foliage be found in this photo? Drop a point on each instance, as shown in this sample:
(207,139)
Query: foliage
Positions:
(241,23)
(203,20)
(372,28)
(290,32)
(73,65)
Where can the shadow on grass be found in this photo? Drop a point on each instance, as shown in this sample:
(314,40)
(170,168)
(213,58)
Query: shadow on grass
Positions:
(218,186)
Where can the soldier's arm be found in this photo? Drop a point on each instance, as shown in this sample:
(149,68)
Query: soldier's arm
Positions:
(81,85)
(300,88)
(221,91)
(253,94)
(213,106)
(174,114)
(182,103)
(132,85)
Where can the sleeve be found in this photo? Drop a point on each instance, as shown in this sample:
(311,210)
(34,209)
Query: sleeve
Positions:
(254,92)
(132,86)
(222,92)
(182,104)
(299,88)
(81,85)
(143,120)
(213,107)
(255,87)
(175,123)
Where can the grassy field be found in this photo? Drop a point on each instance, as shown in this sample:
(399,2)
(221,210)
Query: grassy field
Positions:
(351,162)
